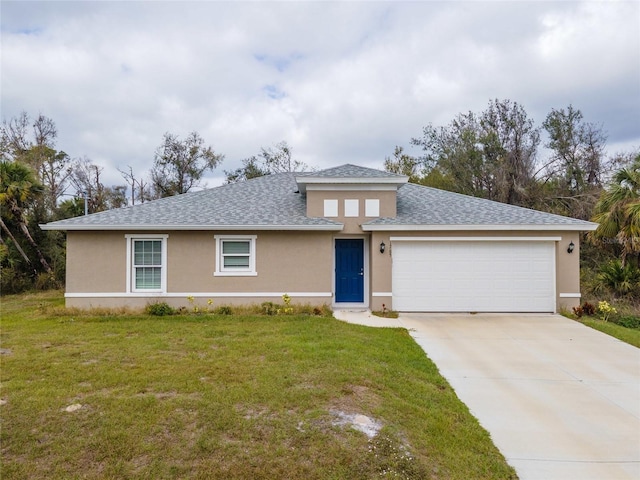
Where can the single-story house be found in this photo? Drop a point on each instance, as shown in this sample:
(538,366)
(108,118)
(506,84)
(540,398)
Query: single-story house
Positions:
(347,236)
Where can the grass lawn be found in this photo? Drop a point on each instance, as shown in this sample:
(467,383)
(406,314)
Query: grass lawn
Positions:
(628,335)
(228,397)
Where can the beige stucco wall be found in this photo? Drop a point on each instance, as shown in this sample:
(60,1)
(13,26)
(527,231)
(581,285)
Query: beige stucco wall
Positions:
(315,206)
(96,262)
(291,262)
(286,262)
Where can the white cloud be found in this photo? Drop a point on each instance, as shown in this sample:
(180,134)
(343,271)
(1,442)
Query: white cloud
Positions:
(341,82)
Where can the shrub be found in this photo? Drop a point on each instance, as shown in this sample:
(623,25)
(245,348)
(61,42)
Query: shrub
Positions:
(578,311)
(46,281)
(159,309)
(588,309)
(270,308)
(224,310)
(621,280)
(629,321)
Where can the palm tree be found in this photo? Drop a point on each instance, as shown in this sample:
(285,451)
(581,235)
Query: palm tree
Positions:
(618,212)
(18,190)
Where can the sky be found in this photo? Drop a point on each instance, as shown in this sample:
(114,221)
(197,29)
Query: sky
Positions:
(340,82)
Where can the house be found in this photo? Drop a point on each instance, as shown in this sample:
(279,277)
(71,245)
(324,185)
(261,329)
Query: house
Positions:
(347,236)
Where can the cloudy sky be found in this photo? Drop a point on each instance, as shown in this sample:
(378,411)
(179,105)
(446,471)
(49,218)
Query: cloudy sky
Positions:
(339,81)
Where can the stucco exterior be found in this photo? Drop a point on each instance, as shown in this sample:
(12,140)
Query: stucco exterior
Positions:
(294,222)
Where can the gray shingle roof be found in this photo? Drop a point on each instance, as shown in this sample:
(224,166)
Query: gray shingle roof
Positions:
(269,202)
(351,171)
(419,205)
(272,202)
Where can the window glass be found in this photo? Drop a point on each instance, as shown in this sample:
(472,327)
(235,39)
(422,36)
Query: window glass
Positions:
(233,247)
(147,264)
(236,254)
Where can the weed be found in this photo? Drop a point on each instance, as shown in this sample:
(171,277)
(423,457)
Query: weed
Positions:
(160,309)
(224,310)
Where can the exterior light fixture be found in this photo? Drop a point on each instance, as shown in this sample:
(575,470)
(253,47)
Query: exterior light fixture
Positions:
(570,248)
(382,247)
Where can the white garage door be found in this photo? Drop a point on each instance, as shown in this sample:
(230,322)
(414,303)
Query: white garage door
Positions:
(473,276)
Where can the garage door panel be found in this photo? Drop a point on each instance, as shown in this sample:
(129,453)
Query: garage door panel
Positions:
(474,276)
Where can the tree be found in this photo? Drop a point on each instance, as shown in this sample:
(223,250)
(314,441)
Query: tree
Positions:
(403,164)
(618,213)
(19,190)
(578,149)
(251,168)
(490,155)
(37,150)
(140,189)
(85,177)
(179,165)
(277,159)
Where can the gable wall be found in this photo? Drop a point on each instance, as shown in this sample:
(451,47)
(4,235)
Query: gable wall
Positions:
(316,198)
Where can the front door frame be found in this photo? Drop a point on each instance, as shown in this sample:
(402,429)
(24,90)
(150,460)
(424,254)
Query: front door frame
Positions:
(365,278)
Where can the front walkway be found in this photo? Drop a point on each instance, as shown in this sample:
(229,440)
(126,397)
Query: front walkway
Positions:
(560,400)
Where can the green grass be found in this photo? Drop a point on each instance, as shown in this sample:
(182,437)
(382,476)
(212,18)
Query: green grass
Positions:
(229,397)
(628,335)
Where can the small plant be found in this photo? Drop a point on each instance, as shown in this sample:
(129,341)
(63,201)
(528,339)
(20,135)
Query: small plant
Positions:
(224,310)
(578,311)
(287,304)
(270,308)
(588,309)
(159,309)
(606,310)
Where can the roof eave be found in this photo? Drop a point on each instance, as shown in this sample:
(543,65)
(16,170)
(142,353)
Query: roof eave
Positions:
(495,228)
(329,228)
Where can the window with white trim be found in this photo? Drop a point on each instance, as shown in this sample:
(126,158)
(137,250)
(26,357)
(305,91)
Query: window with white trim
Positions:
(235,255)
(147,263)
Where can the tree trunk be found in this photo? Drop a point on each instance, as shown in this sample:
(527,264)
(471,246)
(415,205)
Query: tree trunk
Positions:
(13,239)
(25,230)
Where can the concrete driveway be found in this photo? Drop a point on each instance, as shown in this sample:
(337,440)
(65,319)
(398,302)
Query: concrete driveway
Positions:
(560,400)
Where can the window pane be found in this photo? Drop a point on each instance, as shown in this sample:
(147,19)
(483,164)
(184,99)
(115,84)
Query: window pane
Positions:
(148,278)
(147,252)
(235,247)
(236,262)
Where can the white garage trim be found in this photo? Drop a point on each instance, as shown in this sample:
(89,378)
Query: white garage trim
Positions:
(475,239)
(469,274)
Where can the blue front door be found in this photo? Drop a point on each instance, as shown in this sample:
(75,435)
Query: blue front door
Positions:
(350,270)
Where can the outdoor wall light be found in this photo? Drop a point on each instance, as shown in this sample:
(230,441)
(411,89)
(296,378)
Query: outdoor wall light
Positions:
(570,248)
(382,247)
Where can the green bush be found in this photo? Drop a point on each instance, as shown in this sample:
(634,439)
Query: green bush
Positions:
(224,310)
(270,308)
(160,309)
(621,280)
(628,321)
(14,281)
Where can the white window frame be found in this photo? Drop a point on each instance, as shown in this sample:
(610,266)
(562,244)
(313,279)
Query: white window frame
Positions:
(331,208)
(131,268)
(221,271)
(351,207)
(372,207)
